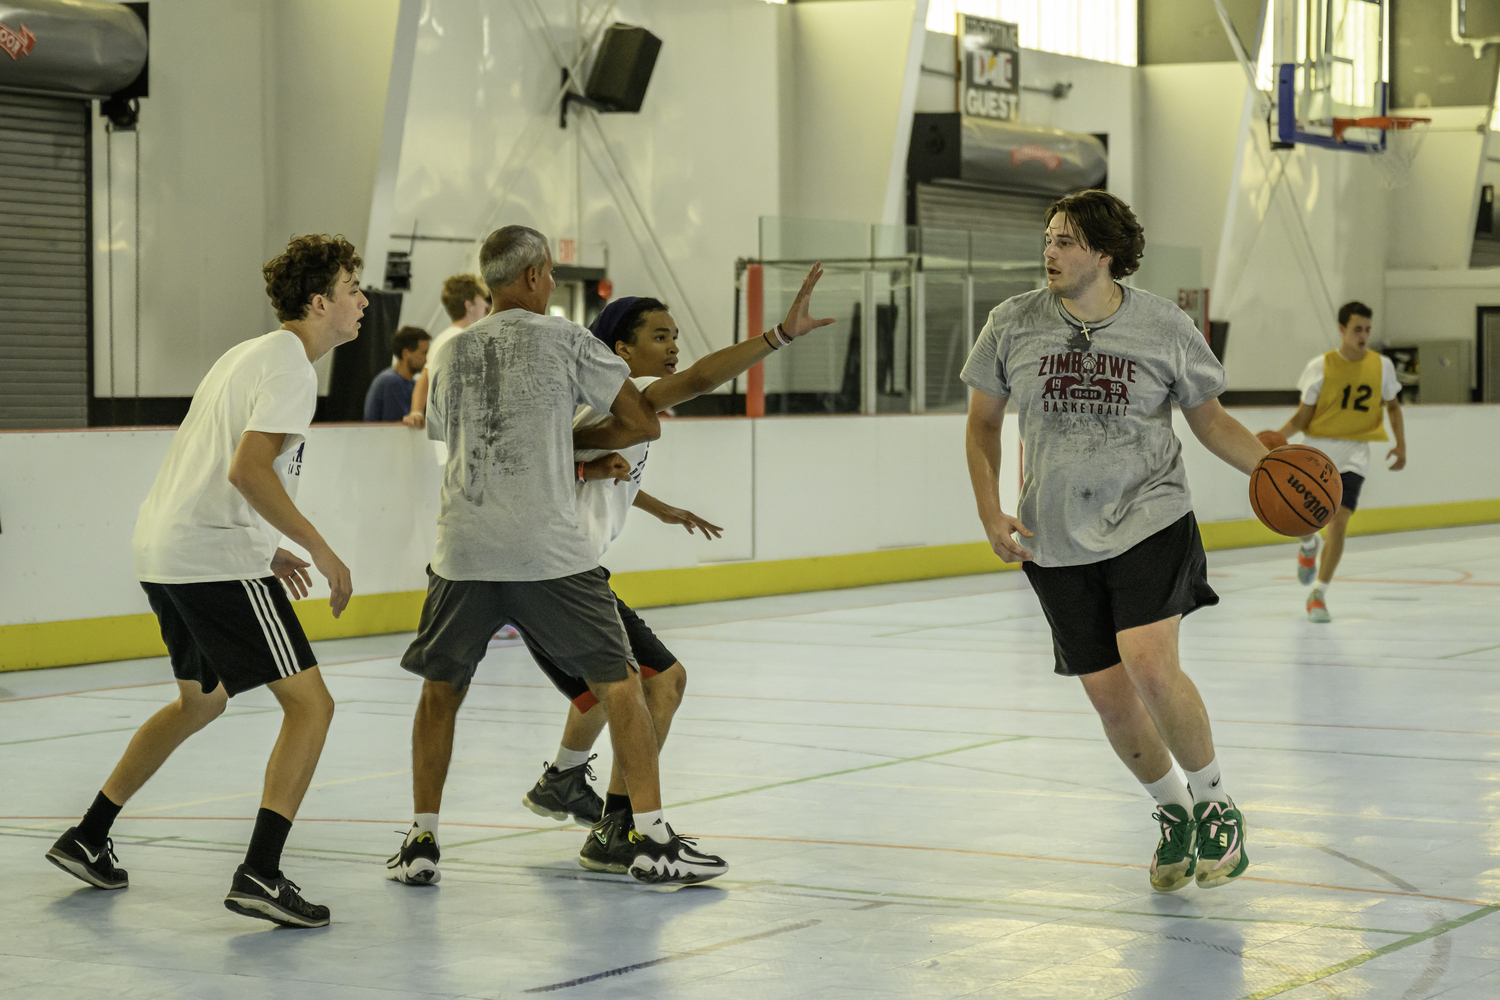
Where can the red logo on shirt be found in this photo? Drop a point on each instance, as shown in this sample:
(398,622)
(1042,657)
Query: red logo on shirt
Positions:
(1086,382)
(16,43)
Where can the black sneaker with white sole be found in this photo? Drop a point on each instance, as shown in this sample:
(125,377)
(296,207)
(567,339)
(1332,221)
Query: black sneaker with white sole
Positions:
(88,863)
(676,861)
(416,863)
(608,847)
(560,794)
(277,899)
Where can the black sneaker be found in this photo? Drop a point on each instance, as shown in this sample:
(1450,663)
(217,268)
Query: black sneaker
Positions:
(84,861)
(416,863)
(560,794)
(678,860)
(608,848)
(278,900)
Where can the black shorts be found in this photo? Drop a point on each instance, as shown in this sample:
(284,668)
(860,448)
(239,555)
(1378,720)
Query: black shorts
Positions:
(650,654)
(1155,579)
(573,619)
(242,633)
(1353,483)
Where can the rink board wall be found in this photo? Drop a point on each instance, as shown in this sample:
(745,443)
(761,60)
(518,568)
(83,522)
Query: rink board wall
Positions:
(807,503)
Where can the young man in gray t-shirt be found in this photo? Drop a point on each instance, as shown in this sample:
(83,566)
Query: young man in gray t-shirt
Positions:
(511,548)
(1114,557)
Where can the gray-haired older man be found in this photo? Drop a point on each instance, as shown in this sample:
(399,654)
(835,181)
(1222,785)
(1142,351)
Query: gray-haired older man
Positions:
(512,550)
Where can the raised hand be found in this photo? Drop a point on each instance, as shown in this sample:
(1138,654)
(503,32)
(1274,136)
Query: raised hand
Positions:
(798,321)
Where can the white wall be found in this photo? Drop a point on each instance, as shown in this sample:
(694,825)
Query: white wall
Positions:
(482,149)
(782,488)
(263,121)
(1435,305)
(1435,211)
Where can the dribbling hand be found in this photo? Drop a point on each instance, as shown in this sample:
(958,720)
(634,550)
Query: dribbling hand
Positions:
(1000,530)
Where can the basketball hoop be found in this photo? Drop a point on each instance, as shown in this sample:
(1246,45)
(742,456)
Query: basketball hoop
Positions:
(1403,138)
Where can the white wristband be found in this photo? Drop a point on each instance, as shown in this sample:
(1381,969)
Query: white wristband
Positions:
(780,335)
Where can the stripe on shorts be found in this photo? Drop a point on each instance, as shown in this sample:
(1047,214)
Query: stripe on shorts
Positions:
(271,627)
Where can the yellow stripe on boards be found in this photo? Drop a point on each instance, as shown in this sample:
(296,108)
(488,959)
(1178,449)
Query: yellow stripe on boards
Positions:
(128,637)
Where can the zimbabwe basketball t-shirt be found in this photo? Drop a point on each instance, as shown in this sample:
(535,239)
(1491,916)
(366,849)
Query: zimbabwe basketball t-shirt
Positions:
(1101,467)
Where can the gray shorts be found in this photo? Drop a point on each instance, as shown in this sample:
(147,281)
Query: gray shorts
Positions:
(573,620)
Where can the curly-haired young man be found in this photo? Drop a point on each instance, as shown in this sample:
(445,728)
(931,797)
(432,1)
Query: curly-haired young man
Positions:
(207,555)
(1114,558)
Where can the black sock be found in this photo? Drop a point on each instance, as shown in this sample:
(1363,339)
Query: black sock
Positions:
(266,842)
(94,827)
(616,803)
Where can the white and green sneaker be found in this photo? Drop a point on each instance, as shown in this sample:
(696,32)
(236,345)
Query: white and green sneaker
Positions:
(1176,859)
(1307,562)
(1221,843)
(1317,610)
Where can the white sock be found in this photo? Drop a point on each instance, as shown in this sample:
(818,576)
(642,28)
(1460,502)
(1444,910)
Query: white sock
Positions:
(653,825)
(1322,587)
(569,758)
(1206,784)
(1311,545)
(422,823)
(1171,790)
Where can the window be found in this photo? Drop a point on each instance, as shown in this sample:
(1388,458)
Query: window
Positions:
(1093,29)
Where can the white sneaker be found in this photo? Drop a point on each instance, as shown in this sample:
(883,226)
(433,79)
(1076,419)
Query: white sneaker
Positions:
(1307,562)
(506,636)
(1317,611)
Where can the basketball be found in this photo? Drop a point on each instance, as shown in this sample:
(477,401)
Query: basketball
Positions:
(1295,490)
(1271,439)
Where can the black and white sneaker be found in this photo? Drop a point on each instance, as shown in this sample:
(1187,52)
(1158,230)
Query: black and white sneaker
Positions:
(278,900)
(608,847)
(84,861)
(560,794)
(678,860)
(416,863)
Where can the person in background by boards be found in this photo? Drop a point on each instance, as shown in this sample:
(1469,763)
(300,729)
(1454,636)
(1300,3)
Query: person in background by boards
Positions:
(1115,557)
(467,301)
(512,548)
(207,555)
(389,396)
(1345,395)
(643,333)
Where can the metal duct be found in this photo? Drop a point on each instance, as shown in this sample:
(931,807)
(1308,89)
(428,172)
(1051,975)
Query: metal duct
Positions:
(1006,156)
(80,47)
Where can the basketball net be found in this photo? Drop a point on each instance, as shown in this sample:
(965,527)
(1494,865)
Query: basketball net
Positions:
(1403,140)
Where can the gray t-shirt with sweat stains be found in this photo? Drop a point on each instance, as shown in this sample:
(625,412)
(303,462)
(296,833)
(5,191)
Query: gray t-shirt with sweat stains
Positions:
(1102,468)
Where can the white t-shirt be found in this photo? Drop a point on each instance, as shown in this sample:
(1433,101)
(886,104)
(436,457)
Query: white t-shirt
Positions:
(503,399)
(604,503)
(195,527)
(1346,456)
(439,450)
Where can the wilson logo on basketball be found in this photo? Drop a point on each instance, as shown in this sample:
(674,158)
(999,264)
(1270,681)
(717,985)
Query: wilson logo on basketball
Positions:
(16,43)
(1310,501)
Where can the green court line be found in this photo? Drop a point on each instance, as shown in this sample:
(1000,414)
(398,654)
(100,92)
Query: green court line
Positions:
(119,729)
(774,784)
(1372,954)
(1470,652)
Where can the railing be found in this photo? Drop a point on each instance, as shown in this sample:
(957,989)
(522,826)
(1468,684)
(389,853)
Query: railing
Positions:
(911,299)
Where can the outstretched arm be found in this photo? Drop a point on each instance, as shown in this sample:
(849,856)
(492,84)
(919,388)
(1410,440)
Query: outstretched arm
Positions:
(252,471)
(1298,421)
(668,514)
(1225,436)
(719,367)
(631,420)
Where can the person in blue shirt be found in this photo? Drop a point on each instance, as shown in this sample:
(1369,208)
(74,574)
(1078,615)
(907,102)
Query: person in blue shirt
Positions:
(389,398)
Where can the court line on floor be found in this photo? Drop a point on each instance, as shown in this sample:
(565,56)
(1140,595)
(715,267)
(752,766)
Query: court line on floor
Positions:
(678,957)
(796,781)
(172,680)
(1373,953)
(122,729)
(987,708)
(1400,883)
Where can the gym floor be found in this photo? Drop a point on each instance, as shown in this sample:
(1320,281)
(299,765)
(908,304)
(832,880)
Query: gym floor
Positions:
(911,804)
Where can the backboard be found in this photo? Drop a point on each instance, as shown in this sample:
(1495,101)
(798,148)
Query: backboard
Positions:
(1330,61)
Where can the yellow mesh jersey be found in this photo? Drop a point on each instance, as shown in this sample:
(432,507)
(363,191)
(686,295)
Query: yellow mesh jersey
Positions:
(1350,407)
